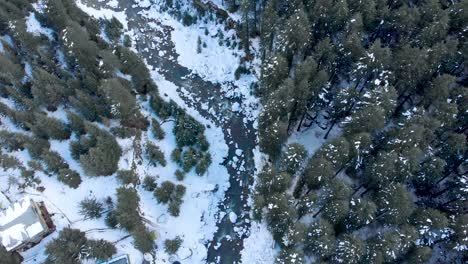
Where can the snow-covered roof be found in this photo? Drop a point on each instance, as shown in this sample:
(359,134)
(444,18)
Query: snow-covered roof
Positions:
(118,260)
(20,223)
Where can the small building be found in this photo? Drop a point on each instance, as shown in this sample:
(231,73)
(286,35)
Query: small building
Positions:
(123,259)
(24,224)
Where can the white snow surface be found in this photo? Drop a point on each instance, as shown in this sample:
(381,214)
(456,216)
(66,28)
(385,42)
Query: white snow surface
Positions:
(104,13)
(34,27)
(259,247)
(211,60)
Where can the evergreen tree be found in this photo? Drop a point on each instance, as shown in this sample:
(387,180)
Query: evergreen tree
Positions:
(7,257)
(143,239)
(348,249)
(394,204)
(91,208)
(293,157)
(172,245)
(126,212)
(320,239)
(155,155)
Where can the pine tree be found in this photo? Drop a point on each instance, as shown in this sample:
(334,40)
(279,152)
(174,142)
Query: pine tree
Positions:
(348,249)
(119,100)
(143,239)
(8,258)
(320,239)
(394,204)
(91,208)
(172,245)
(155,155)
(126,212)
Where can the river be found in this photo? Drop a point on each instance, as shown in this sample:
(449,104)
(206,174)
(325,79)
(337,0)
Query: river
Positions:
(227,243)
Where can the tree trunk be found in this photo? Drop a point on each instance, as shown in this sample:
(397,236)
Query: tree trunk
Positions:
(300,122)
(357,189)
(319,211)
(329,130)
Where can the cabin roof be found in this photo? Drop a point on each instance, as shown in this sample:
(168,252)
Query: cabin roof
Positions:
(20,223)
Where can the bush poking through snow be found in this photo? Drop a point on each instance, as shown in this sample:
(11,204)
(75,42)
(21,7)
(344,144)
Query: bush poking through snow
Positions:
(164,192)
(180,175)
(91,208)
(172,245)
(171,194)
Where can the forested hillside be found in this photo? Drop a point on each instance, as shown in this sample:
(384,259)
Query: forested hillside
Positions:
(386,83)
(78,105)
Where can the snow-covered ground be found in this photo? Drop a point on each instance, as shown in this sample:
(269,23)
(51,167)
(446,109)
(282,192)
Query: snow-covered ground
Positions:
(197,221)
(202,48)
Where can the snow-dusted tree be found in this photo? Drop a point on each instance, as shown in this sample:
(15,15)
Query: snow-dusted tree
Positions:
(366,119)
(394,204)
(99,153)
(460,238)
(336,151)
(317,173)
(420,255)
(274,71)
(91,208)
(149,183)
(359,148)
(271,181)
(290,255)
(335,210)
(431,171)
(120,102)
(295,235)
(295,33)
(100,250)
(72,246)
(306,204)
(395,243)
(361,212)
(49,127)
(280,215)
(69,177)
(348,249)
(47,89)
(164,192)
(158,132)
(293,157)
(320,239)
(431,225)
